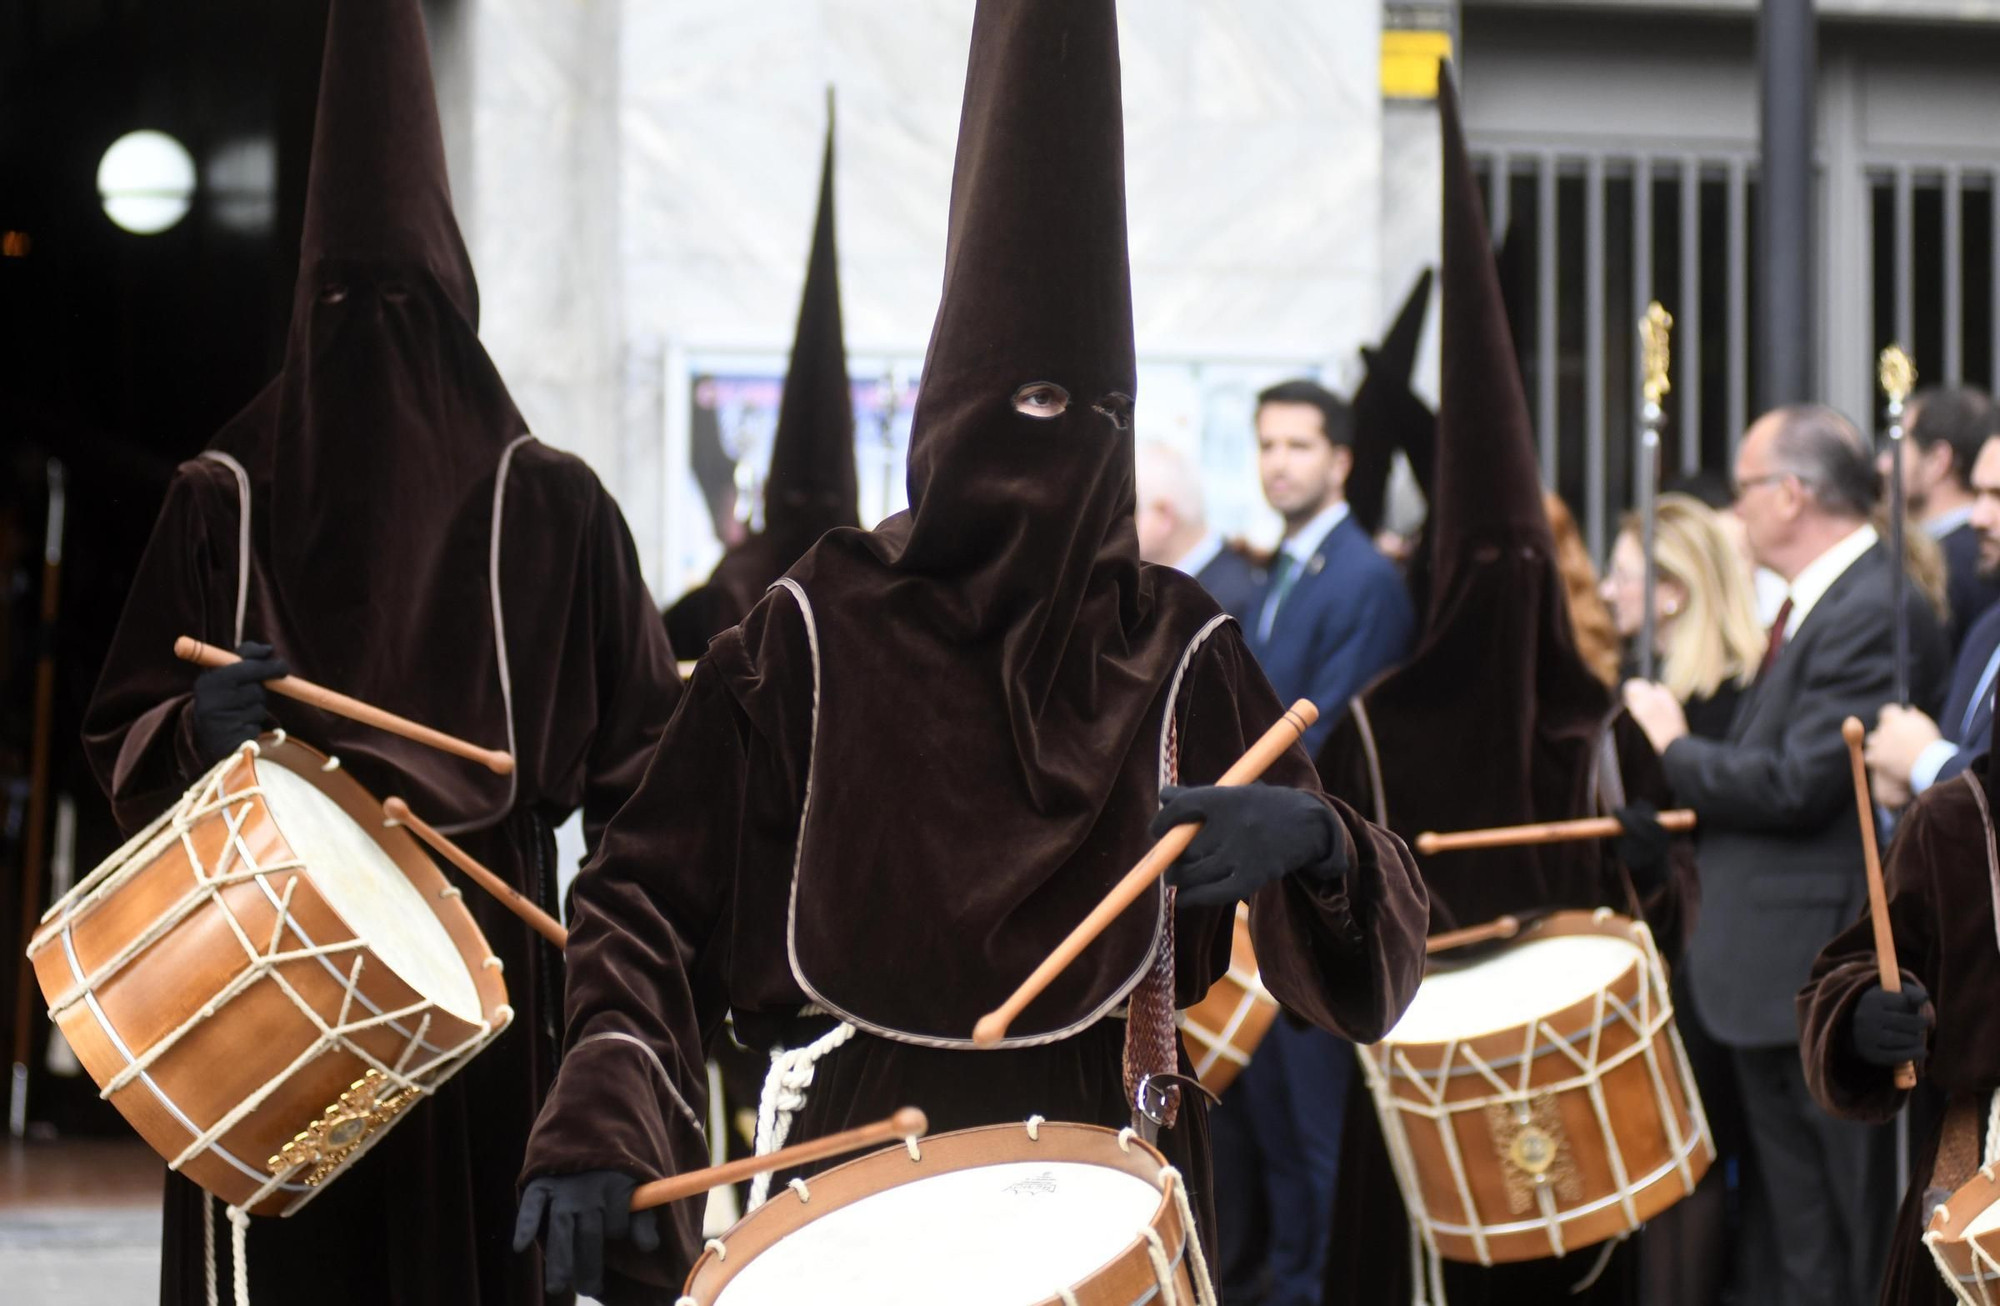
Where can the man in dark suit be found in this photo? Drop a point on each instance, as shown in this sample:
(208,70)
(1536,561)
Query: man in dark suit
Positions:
(1780,850)
(1907,751)
(1945,429)
(1174,531)
(1333,615)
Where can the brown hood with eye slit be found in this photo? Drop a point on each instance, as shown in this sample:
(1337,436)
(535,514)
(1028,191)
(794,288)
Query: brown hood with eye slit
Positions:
(993,663)
(372,456)
(1495,719)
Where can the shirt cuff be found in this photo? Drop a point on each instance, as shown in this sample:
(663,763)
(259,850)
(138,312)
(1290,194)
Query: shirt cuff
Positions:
(1924,771)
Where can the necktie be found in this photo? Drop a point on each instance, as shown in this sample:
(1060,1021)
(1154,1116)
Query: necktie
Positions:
(1284,573)
(1979,697)
(1777,643)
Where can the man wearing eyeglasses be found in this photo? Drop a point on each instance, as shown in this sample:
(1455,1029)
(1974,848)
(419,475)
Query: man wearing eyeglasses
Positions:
(1781,857)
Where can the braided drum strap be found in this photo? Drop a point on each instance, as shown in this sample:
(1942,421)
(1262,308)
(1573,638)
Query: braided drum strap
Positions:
(1152,1043)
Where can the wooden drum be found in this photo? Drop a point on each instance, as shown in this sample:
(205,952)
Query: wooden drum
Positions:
(1006,1215)
(1538,1100)
(266,978)
(1226,1026)
(1964,1239)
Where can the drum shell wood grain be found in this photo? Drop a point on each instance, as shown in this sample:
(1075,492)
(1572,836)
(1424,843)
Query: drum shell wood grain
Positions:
(1954,1254)
(1641,1132)
(1126,1276)
(1223,1029)
(255,1036)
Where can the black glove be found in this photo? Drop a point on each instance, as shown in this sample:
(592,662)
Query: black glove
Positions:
(1251,836)
(1644,845)
(1888,1029)
(229,701)
(582,1210)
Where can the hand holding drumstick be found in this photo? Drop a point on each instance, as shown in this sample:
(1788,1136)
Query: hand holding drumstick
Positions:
(1878,905)
(326,700)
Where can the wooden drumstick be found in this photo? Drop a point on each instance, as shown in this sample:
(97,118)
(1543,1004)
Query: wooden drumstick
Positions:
(326,700)
(1878,898)
(511,898)
(1521,836)
(1504,927)
(992,1027)
(906,1123)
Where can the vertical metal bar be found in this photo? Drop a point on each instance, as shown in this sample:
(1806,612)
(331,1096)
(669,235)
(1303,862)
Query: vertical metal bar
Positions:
(1545,316)
(1594,470)
(1786,231)
(1739,301)
(1642,281)
(1906,262)
(1954,278)
(1503,207)
(1689,318)
(1993,270)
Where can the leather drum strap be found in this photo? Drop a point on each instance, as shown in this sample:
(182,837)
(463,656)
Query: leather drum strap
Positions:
(1152,1043)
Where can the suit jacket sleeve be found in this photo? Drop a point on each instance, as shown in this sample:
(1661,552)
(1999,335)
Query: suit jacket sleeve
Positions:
(1347,958)
(138,731)
(1846,968)
(1800,779)
(649,923)
(1375,629)
(638,681)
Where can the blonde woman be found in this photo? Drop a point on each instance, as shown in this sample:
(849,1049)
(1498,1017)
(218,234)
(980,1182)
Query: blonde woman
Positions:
(1707,640)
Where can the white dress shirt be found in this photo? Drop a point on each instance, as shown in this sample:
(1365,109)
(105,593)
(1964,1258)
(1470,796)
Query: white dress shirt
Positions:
(1818,576)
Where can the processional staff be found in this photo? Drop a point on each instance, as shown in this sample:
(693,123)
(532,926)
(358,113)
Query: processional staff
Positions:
(1898,376)
(1654,331)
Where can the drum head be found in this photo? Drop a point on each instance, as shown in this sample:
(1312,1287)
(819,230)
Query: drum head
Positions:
(1534,978)
(996,1235)
(357,877)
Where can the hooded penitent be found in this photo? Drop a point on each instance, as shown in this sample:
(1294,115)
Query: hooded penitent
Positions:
(1010,596)
(1388,415)
(931,750)
(372,456)
(380,516)
(810,488)
(1495,720)
(1496,679)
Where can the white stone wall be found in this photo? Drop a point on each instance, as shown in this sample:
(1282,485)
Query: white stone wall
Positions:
(637,180)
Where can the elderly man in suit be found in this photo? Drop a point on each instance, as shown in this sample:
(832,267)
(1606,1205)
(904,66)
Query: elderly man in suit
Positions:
(1333,615)
(1780,852)
(1174,531)
(1908,752)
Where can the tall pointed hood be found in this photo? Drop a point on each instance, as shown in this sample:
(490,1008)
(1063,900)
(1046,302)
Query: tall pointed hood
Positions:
(1388,415)
(1489,488)
(371,459)
(996,657)
(378,188)
(810,487)
(1495,719)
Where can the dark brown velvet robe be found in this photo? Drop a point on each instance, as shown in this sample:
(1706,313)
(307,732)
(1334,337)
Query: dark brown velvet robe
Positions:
(426,1218)
(373,470)
(1941,883)
(682,917)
